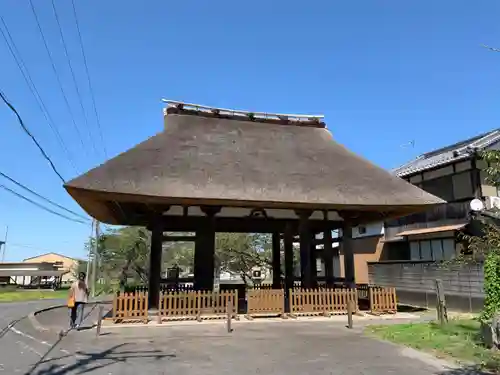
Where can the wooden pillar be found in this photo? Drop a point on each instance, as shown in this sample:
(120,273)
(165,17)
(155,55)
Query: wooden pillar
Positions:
(204,251)
(288,247)
(328,257)
(305,249)
(276,243)
(347,247)
(155,266)
(313,259)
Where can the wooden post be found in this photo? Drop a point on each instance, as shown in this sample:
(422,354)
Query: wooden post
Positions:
(155,265)
(347,247)
(314,266)
(349,313)
(289,271)
(305,249)
(276,243)
(204,252)
(229,308)
(99,321)
(328,257)
(442,314)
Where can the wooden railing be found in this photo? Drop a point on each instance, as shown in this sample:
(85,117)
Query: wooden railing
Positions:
(383,300)
(131,307)
(197,304)
(265,302)
(321,301)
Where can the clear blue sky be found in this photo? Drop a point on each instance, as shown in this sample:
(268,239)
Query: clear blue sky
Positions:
(382,72)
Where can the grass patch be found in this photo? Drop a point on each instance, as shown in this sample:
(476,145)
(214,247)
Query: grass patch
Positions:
(460,339)
(30,295)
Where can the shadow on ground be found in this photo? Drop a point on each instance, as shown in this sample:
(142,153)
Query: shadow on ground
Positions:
(86,362)
(468,370)
(410,309)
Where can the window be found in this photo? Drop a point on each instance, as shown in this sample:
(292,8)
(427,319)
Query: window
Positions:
(415,250)
(449,249)
(256,274)
(362,229)
(437,249)
(425,250)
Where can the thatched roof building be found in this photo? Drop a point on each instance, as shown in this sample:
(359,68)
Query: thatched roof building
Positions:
(212,157)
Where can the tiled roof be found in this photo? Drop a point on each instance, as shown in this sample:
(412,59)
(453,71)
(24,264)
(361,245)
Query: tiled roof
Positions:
(445,155)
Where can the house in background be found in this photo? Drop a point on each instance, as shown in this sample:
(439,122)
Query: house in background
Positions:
(31,275)
(456,174)
(412,245)
(67,264)
(367,247)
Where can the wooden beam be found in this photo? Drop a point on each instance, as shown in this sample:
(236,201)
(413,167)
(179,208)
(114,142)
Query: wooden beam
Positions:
(323,241)
(175,223)
(179,238)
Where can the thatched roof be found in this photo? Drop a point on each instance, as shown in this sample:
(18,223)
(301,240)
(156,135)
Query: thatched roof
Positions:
(206,159)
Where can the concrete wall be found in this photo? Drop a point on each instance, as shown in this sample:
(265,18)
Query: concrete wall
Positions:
(415,283)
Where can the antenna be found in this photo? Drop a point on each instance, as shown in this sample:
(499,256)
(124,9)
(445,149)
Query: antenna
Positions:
(409,144)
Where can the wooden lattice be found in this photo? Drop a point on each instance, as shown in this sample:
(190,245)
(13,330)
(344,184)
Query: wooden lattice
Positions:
(130,306)
(321,301)
(265,302)
(383,300)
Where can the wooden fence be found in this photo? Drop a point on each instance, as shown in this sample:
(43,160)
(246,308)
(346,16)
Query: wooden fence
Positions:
(383,300)
(265,302)
(197,304)
(321,301)
(131,307)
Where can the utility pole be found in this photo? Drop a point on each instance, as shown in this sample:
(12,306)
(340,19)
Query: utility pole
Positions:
(94,258)
(4,247)
(89,253)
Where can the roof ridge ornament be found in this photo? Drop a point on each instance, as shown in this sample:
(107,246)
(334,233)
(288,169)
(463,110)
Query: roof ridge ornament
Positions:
(250,114)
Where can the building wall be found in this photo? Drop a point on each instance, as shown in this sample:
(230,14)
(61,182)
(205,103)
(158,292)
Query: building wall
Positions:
(366,249)
(68,264)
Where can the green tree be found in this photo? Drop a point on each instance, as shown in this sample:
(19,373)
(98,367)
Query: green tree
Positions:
(486,247)
(123,254)
(240,253)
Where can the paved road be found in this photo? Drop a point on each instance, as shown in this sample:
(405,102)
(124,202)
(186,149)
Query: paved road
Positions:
(17,351)
(285,347)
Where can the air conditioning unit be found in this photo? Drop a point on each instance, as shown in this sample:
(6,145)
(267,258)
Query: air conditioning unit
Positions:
(492,202)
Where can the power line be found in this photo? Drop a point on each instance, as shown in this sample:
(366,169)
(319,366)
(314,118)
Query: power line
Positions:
(42,197)
(44,154)
(73,75)
(68,106)
(14,51)
(40,205)
(89,80)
